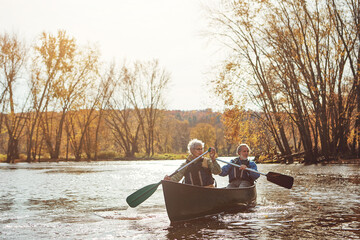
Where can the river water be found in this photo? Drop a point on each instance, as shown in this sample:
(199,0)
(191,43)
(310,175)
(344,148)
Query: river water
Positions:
(86,200)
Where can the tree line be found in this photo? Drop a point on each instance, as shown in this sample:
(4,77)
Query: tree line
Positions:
(59,101)
(56,89)
(299,62)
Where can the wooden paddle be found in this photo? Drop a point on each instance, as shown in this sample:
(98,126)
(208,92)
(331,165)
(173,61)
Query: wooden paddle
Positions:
(144,193)
(277,178)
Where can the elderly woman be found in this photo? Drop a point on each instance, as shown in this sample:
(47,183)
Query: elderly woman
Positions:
(200,172)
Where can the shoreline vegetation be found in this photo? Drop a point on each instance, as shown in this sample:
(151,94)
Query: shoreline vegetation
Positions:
(61,99)
(180,156)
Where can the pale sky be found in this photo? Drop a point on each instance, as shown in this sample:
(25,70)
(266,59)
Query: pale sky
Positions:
(167,30)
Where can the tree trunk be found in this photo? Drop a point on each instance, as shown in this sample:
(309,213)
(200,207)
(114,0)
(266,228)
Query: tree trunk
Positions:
(13,151)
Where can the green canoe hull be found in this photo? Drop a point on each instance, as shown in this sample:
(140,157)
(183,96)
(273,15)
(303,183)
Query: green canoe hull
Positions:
(185,202)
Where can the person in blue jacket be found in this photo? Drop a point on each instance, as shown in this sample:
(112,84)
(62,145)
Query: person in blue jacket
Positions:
(238,177)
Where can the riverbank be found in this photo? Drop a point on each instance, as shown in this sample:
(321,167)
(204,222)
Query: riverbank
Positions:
(176,157)
(165,156)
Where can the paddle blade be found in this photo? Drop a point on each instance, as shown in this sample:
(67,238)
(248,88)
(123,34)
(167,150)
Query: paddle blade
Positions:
(280,179)
(141,195)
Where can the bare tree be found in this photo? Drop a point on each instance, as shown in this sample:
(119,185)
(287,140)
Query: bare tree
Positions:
(121,117)
(297,67)
(146,94)
(237,31)
(346,17)
(61,74)
(52,59)
(106,89)
(66,92)
(12,61)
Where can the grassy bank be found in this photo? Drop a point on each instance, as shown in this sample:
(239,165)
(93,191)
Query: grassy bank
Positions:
(138,157)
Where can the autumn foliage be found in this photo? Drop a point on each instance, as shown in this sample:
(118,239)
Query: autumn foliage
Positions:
(290,85)
(298,62)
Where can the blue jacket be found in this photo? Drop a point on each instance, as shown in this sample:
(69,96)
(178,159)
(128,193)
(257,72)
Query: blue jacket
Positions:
(235,173)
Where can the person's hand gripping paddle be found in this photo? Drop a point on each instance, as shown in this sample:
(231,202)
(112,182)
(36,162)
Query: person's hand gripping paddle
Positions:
(144,193)
(277,178)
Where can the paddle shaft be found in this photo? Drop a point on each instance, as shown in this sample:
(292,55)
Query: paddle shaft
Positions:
(144,193)
(236,165)
(181,168)
(277,178)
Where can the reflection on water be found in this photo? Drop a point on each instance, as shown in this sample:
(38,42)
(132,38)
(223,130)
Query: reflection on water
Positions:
(87,201)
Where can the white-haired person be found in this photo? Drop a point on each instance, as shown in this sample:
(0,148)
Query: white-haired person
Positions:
(199,172)
(238,176)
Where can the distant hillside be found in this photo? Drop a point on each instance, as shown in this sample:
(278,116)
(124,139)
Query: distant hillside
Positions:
(197,116)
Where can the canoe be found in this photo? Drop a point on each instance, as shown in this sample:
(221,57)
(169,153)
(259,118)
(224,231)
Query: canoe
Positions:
(185,202)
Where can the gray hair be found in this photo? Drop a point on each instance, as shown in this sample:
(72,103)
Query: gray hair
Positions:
(193,143)
(242,145)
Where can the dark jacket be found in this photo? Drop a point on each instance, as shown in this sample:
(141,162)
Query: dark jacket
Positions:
(196,174)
